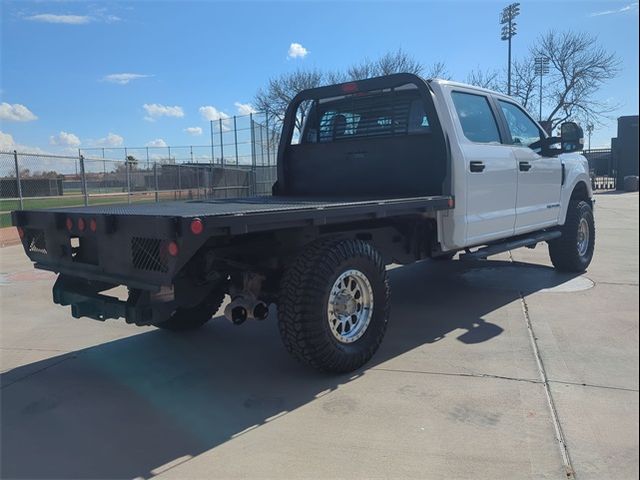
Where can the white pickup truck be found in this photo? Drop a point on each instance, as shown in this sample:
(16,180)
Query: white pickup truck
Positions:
(390,169)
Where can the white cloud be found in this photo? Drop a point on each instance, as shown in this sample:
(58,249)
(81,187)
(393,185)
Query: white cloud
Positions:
(156,110)
(244,108)
(296,50)
(631,7)
(212,113)
(64,139)
(193,131)
(65,19)
(16,113)
(111,140)
(6,140)
(124,78)
(8,143)
(158,142)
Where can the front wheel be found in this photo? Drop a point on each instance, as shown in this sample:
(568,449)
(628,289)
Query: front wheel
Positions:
(334,305)
(573,251)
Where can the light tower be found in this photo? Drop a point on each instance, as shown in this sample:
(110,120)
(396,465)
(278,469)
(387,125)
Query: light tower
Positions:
(541,69)
(507,17)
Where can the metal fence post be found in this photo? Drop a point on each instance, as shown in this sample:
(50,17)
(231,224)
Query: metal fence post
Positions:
(261,146)
(155,179)
(15,159)
(211,131)
(127,168)
(252,175)
(83,179)
(179,180)
(235,137)
(221,144)
(212,174)
(266,122)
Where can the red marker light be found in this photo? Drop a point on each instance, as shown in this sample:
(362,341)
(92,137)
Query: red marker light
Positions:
(172,248)
(196,226)
(69,224)
(93,225)
(351,87)
(21,232)
(81,224)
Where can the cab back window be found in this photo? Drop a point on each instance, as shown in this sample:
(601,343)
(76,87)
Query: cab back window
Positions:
(358,116)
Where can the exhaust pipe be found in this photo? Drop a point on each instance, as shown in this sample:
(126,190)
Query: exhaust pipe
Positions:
(242,308)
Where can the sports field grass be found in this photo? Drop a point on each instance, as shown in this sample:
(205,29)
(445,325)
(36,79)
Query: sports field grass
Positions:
(7,206)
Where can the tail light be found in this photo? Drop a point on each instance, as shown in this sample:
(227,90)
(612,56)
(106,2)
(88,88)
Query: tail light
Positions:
(20,232)
(172,248)
(196,226)
(93,225)
(69,224)
(81,224)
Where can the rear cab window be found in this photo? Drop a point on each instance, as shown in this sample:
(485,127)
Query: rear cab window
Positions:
(476,118)
(375,114)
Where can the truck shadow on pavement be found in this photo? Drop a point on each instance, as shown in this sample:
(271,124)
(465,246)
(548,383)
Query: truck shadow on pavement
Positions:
(137,406)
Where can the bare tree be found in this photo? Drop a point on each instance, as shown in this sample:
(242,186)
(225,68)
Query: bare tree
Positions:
(274,98)
(485,78)
(391,62)
(437,70)
(579,68)
(524,82)
(280,91)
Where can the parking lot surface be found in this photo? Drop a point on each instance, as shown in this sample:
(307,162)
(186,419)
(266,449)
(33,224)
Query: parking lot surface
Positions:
(501,369)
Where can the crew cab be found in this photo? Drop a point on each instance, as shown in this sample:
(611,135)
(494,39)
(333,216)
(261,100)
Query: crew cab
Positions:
(393,169)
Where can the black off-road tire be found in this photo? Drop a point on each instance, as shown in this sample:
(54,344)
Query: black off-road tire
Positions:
(563,251)
(303,304)
(187,319)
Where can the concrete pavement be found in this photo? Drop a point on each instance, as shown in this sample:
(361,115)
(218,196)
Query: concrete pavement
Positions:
(501,369)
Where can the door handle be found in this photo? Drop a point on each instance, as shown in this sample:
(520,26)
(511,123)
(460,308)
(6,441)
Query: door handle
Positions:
(525,166)
(476,167)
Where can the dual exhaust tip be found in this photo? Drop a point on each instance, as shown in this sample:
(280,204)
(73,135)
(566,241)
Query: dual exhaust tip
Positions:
(242,309)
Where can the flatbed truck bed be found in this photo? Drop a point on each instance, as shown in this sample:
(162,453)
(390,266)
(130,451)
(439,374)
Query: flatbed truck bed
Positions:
(260,213)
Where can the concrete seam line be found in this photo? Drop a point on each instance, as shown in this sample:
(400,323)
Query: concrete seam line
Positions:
(562,443)
(453,374)
(64,359)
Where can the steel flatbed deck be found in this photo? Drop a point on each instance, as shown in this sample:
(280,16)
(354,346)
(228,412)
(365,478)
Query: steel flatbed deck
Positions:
(254,214)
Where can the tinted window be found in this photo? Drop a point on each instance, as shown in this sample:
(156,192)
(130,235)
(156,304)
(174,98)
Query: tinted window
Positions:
(476,117)
(523,130)
(389,113)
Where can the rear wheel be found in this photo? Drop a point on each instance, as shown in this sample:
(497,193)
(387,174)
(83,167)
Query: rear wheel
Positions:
(185,319)
(334,305)
(573,251)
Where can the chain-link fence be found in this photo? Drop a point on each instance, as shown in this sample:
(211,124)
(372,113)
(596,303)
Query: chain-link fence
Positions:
(240,161)
(245,140)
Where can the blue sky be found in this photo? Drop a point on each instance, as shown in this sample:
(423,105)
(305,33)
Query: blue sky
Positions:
(79,74)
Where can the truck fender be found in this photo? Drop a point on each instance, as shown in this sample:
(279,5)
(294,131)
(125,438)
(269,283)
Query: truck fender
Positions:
(577,184)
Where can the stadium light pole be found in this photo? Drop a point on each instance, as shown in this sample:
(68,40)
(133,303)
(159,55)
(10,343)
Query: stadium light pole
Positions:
(541,69)
(507,17)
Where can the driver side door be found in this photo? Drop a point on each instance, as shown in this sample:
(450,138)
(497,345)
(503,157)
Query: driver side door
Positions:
(539,177)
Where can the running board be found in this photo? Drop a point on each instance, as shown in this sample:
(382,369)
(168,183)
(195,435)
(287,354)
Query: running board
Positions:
(526,241)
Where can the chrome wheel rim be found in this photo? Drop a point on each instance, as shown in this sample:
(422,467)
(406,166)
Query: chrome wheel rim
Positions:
(350,306)
(583,237)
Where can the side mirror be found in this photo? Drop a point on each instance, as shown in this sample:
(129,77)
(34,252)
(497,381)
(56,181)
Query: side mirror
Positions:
(572,137)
